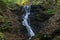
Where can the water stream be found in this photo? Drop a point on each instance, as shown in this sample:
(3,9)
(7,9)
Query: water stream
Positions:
(26,23)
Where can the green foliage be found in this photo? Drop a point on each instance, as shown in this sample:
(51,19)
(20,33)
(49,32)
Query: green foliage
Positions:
(58,2)
(4,23)
(9,2)
(37,2)
(4,19)
(50,11)
(2,5)
(2,36)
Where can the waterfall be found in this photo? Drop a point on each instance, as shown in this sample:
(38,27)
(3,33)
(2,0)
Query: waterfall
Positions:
(25,21)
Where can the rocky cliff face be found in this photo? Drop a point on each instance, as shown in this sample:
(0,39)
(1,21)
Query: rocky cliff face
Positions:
(37,19)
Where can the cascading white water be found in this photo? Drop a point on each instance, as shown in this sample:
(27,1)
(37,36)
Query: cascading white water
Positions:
(25,22)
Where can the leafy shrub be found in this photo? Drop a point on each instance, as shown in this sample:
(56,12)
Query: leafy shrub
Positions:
(50,11)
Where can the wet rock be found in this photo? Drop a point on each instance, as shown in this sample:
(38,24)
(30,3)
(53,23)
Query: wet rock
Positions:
(36,18)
